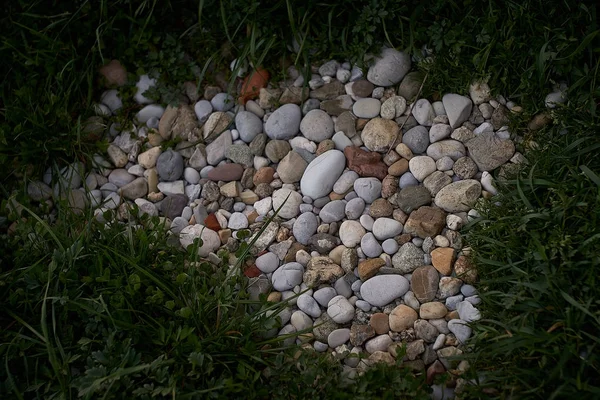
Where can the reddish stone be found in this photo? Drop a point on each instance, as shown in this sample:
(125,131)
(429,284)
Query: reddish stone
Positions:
(212,223)
(263,175)
(226,173)
(255,81)
(365,163)
(252,271)
(114,73)
(437,368)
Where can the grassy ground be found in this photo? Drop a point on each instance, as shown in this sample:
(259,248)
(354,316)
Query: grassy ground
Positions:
(151,323)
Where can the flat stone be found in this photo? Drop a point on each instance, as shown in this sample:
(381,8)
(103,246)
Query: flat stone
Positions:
(226,173)
(442,259)
(383,289)
(432,310)
(423,112)
(417,139)
(458,196)
(425,222)
(365,163)
(289,201)
(359,334)
(450,148)
(489,152)
(369,268)
(436,182)
(460,329)
(215,151)
(291,167)
(304,227)
(412,197)
(366,107)
(385,228)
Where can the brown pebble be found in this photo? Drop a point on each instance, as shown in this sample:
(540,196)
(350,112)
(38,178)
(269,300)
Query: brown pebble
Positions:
(264,175)
(399,167)
(441,259)
(274,297)
(226,173)
(324,146)
(380,322)
(336,196)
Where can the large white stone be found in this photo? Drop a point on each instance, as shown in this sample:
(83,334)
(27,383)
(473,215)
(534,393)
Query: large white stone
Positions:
(381,290)
(210,238)
(322,173)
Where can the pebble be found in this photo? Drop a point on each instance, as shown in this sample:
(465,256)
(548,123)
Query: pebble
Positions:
(322,173)
(468,312)
(389,67)
(222,102)
(333,211)
(416,139)
(458,108)
(421,167)
(380,134)
(423,112)
(287,276)
(460,329)
(390,246)
(378,343)
(385,228)
(383,289)
(305,227)
(340,310)
(338,337)
(317,126)
(369,189)
(300,320)
(354,208)
(203,109)
(345,182)
(309,305)
(284,122)
(324,295)
(288,200)
(366,108)
(351,232)
(143,84)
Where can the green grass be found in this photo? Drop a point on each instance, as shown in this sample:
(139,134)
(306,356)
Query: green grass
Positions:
(117,309)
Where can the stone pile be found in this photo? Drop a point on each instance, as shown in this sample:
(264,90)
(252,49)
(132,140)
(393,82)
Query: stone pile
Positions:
(372,186)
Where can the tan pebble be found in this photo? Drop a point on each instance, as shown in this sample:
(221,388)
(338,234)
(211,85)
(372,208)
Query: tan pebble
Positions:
(367,269)
(336,196)
(399,167)
(154,138)
(231,189)
(274,297)
(224,235)
(402,318)
(442,258)
(432,310)
(360,123)
(155,197)
(252,217)
(451,315)
(249,197)
(152,180)
(336,254)
(403,150)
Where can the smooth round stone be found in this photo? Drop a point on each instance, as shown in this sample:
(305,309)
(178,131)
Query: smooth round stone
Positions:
(191,175)
(390,246)
(111,99)
(210,238)
(287,276)
(338,337)
(153,122)
(284,122)
(468,290)
(120,177)
(248,125)
(378,343)
(370,246)
(300,320)
(451,148)
(421,167)
(322,173)
(389,67)
(356,285)
(452,301)
(406,180)
(444,164)
(341,141)
(333,211)
(222,102)
(289,201)
(309,305)
(169,165)
(417,139)
(354,208)
(458,196)
(203,109)
(320,346)
(340,310)
(439,132)
(342,287)
(317,126)
(267,263)
(384,228)
(345,182)
(367,222)
(366,108)
(305,227)
(363,305)
(381,290)
(150,111)
(351,232)
(144,83)
(324,295)
(369,189)
(237,220)
(178,224)
(304,208)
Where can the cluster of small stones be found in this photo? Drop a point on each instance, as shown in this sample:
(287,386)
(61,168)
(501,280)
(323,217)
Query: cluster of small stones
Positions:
(371,192)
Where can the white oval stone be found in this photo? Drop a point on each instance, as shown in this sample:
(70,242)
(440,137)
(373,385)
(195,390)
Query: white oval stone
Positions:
(322,173)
